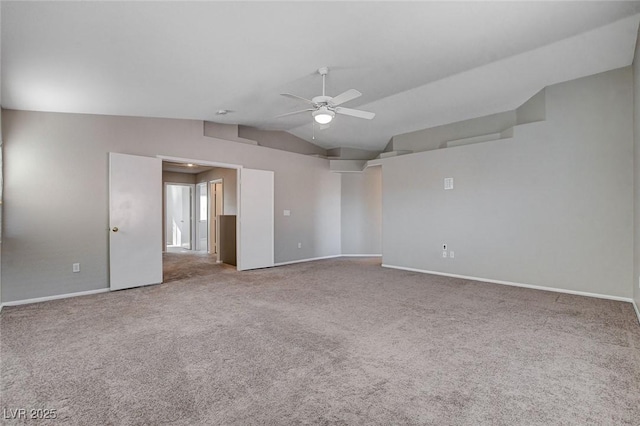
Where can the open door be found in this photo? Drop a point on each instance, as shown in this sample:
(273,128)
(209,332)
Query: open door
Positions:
(135,221)
(179,202)
(256,219)
(202,217)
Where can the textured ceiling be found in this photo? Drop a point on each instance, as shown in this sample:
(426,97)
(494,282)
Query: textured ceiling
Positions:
(418,64)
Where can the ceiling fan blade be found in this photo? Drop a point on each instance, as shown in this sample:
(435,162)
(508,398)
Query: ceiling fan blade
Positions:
(355,113)
(299,98)
(295,112)
(345,97)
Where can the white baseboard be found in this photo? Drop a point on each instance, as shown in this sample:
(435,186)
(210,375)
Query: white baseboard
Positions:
(325,257)
(306,260)
(57,296)
(534,287)
(635,306)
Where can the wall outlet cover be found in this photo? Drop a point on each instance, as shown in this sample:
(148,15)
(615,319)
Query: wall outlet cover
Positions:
(444,254)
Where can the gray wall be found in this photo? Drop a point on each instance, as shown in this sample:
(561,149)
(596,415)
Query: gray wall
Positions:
(174,177)
(362,212)
(553,206)
(1,206)
(636,192)
(56,186)
(436,137)
(229,187)
(280,140)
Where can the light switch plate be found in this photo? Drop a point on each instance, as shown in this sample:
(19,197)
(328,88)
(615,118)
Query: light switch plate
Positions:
(448,183)
(287,212)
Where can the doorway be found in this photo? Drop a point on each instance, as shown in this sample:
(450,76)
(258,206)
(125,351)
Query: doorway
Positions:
(246,243)
(179,216)
(214,199)
(136,254)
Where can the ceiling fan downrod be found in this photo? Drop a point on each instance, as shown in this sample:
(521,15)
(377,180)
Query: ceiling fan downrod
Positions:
(323,72)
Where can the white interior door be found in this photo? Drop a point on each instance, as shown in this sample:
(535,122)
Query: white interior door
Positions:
(256,219)
(178,209)
(202,216)
(135,221)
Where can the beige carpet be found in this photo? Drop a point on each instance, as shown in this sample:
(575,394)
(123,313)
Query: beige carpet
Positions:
(340,341)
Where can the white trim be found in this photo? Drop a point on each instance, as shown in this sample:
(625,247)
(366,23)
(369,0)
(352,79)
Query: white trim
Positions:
(333,256)
(635,306)
(209,221)
(535,287)
(307,260)
(55,297)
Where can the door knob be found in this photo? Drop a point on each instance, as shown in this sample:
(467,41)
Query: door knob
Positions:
(115,229)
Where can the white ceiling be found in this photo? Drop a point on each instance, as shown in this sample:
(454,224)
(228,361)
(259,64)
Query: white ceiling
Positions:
(418,64)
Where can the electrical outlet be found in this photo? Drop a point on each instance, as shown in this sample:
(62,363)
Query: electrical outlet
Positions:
(444,254)
(76,267)
(299,245)
(451,254)
(287,212)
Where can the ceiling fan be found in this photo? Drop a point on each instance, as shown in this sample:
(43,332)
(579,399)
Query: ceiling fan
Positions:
(324,108)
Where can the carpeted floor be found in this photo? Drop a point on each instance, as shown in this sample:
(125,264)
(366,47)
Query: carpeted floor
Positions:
(339,341)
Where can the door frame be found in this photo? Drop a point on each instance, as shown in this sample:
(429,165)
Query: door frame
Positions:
(192,222)
(209,196)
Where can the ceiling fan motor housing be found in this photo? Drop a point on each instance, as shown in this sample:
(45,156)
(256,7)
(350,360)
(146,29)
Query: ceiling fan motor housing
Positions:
(321,100)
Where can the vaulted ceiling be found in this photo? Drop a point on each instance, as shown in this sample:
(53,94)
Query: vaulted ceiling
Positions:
(418,64)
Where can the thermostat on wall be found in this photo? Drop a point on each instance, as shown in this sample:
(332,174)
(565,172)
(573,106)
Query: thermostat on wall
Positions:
(448,183)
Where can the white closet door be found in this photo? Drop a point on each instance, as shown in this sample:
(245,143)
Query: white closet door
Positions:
(135,221)
(256,249)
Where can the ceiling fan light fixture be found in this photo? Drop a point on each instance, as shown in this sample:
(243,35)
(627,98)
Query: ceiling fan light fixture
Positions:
(323,115)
